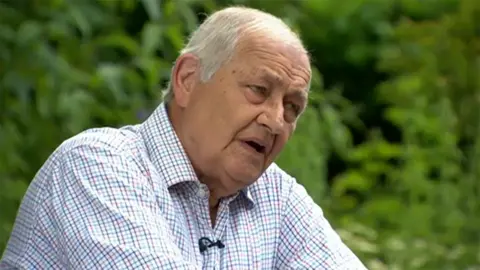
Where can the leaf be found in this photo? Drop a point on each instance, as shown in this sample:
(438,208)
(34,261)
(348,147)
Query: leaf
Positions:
(28,33)
(112,75)
(152,38)
(152,7)
(353,180)
(119,40)
(81,20)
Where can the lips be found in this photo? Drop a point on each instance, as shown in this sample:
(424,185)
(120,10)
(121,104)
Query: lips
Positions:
(258,145)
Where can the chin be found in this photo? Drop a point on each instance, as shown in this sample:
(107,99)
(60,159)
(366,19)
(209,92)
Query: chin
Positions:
(243,171)
(245,176)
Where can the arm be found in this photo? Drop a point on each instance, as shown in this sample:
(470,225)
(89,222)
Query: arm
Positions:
(307,241)
(106,213)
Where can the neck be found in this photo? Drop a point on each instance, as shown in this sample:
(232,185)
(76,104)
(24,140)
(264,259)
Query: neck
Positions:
(215,192)
(175,114)
(213,203)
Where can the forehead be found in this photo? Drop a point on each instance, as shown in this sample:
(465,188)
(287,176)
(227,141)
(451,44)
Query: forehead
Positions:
(273,60)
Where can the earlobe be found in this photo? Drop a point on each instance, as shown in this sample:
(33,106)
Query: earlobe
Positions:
(184,77)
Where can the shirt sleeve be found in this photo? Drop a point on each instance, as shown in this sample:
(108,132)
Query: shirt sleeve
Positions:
(106,213)
(307,241)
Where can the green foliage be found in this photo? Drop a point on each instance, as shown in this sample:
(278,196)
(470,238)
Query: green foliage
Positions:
(389,144)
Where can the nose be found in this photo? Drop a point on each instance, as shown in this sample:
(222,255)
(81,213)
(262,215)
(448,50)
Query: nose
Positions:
(272,117)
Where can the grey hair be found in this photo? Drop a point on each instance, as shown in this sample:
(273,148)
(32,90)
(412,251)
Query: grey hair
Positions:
(215,40)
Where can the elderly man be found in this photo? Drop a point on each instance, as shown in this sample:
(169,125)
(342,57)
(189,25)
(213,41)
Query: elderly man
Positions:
(194,186)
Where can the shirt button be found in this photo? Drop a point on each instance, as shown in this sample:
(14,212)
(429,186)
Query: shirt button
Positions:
(202,191)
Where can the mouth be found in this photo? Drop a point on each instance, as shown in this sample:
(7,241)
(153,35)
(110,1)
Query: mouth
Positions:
(256,146)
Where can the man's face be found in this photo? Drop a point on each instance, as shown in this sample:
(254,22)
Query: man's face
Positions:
(234,126)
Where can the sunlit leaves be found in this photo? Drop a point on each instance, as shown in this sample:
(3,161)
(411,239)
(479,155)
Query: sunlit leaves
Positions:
(402,201)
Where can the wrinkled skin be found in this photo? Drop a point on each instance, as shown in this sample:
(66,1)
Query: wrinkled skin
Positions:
(256,96)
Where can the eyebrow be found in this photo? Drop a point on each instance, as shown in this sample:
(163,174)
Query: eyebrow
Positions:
(275,79)
(271,77)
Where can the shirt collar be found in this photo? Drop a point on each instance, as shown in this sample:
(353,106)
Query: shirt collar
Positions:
(167,153)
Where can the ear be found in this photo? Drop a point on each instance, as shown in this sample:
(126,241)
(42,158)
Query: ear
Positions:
(184,78)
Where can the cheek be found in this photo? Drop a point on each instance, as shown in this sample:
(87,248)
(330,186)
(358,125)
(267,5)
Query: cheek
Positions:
(280,143)
(222,125)
(282,139)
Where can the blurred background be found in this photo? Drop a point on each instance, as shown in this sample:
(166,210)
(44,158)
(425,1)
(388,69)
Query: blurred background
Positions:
(389,146)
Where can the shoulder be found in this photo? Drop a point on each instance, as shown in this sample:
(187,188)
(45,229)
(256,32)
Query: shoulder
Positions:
(98,152)
(101,160)
(104,140)
(281,187)
(276,176)
(274,184)
(274,173)
(102,144)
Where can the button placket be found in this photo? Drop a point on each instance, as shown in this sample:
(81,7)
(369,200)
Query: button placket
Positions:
(200,204)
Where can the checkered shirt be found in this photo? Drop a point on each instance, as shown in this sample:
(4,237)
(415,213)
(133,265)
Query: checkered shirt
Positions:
(128,198)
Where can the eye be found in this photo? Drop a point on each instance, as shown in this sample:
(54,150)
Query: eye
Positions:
(259,89)
(292,107)
(291,112)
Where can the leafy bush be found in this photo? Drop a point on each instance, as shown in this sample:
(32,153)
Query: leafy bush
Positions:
(388,146)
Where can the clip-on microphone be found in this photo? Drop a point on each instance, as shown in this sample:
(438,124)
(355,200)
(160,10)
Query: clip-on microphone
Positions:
(205,243)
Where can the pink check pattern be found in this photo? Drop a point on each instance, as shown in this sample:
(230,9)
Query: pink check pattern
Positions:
(128,198)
